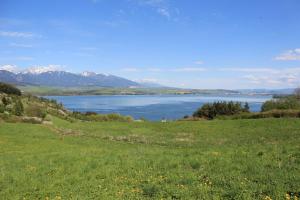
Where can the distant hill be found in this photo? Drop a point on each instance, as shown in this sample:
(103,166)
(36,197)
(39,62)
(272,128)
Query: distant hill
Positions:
(65,79)
(285,91)
(151,84)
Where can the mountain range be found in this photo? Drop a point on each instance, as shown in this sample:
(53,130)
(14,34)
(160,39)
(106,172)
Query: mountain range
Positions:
(65,79)
(59,78)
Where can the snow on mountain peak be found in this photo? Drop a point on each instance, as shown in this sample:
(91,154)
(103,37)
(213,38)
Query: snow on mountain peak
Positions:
(87,73)
(42,69)
(10,68)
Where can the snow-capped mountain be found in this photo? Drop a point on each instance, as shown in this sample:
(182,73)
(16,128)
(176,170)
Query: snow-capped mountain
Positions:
(10,68)
(40,70)
(87,74)
(55,78)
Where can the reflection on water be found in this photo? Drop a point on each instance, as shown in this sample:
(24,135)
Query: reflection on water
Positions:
(152,107)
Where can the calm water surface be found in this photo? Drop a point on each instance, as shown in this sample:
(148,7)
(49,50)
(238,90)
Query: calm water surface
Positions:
(151,107)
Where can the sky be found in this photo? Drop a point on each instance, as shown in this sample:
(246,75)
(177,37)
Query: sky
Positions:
(211,44)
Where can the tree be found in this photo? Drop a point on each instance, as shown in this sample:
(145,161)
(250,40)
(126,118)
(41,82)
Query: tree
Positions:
(18,109)
(9,89)
(5,101)
(297,92)
(211,110)
(246,107)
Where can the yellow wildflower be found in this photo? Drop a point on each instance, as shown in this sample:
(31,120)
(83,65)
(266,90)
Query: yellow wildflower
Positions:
(267,198)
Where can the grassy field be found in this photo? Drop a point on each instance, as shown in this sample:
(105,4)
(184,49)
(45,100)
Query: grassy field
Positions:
(230,159)
(67,91)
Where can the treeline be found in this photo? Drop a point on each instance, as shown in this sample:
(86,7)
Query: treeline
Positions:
(287,103)
(9,89)
(284,106)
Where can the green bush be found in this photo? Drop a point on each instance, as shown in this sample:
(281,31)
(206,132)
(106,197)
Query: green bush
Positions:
(18,108)
(35,111)
(2,108)
(92,116)
(9,89)
(267,114)
(281,104)
(6,100)
(211,110)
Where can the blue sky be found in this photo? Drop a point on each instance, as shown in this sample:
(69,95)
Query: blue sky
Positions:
(230,44)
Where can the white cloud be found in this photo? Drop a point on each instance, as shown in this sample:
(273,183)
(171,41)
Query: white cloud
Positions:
(258,70)
(116,22)
(89,48)
(164,12)
(24,58)
(263,70)
(199,62)
(293,54)
(269,77)
(154,69)
(130,69)
(184,69)
(148,80)
(20,45)
(281,80)
(9,22)
(162,7)
(189,69)
(83,54)
(18,34)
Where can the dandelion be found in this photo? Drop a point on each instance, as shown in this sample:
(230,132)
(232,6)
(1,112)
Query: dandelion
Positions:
(215,153)
(58,198)
(120,193)
(267,198)
(136,190)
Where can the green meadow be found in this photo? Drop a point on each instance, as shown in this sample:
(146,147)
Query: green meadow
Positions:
(219,159)
(69,91)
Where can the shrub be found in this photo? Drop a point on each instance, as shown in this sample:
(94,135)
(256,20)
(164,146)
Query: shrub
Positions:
(2,108)
(281,104)
(92,116)
(90,113)
(211,110)
(35,111)
(297,93)
(18,108)
(267,114)
(6,100)
(150,190)
(9,89)
(13,119)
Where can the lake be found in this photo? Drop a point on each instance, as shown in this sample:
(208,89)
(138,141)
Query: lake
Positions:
(151,107)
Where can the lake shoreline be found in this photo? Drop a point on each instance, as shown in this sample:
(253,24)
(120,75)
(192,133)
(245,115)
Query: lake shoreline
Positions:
(151,107)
